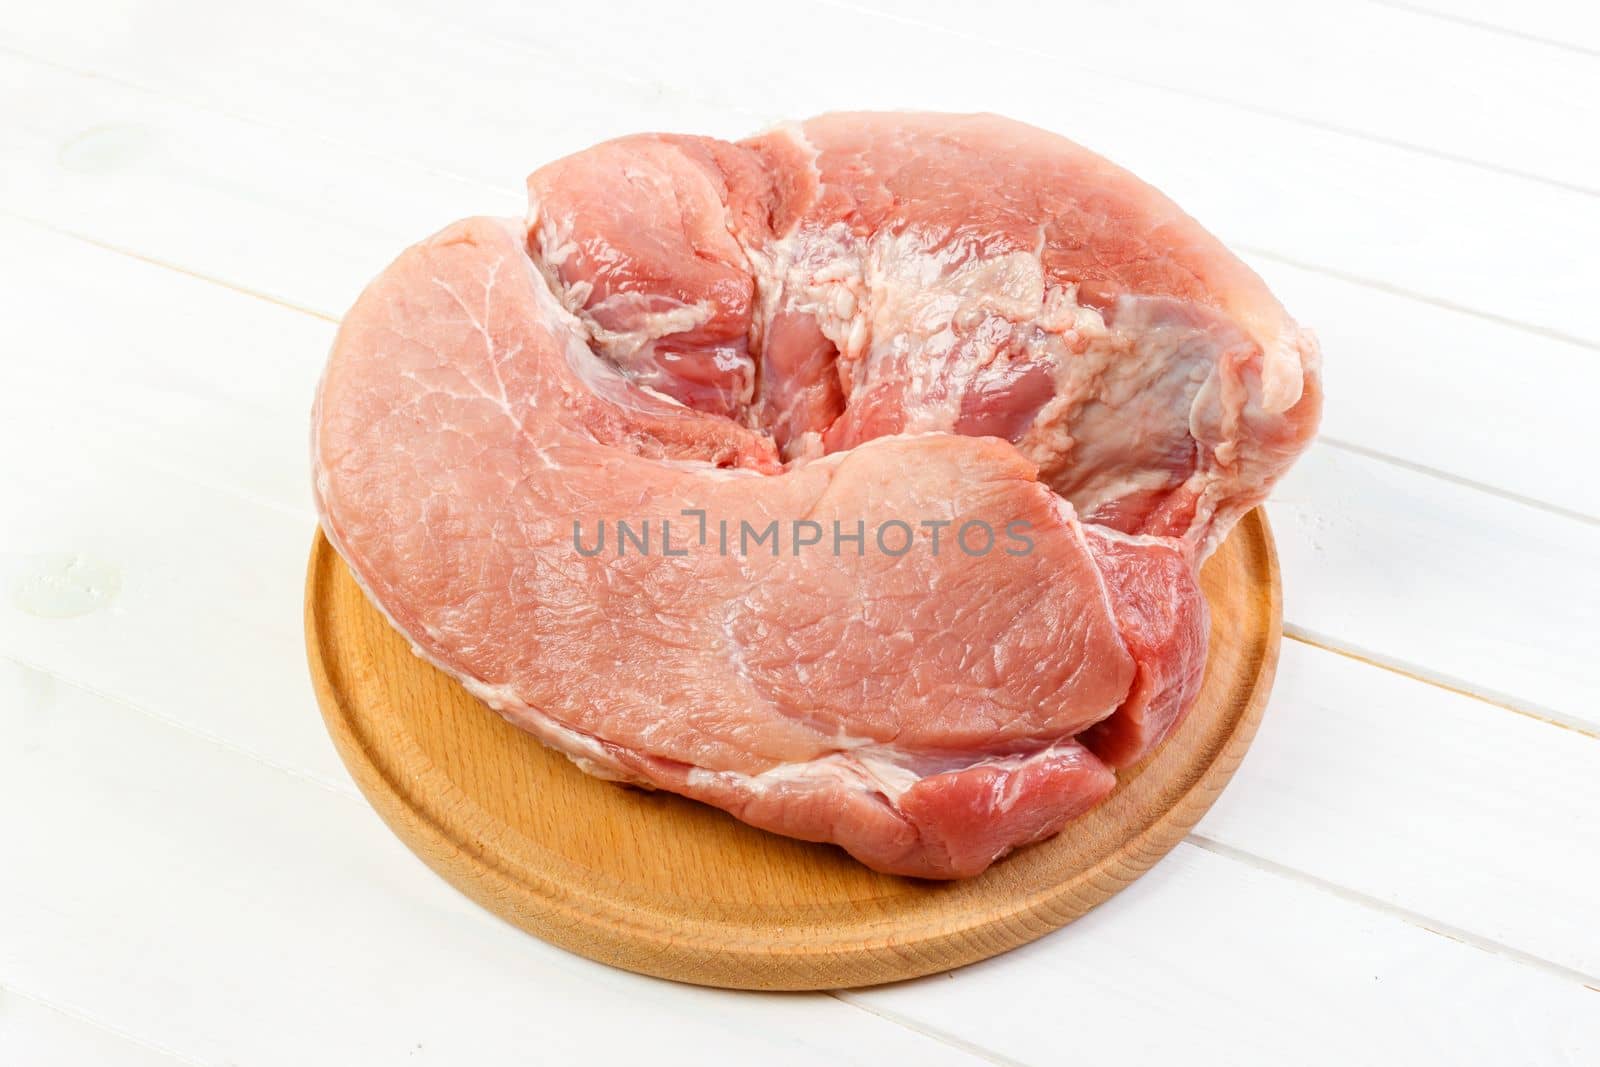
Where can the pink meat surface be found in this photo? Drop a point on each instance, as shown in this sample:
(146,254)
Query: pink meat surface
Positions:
(626,470)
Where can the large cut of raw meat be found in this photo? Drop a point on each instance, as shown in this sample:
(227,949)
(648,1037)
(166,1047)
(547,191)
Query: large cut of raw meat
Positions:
(541,446)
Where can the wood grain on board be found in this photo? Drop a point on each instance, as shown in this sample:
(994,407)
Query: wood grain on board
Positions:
(655,883)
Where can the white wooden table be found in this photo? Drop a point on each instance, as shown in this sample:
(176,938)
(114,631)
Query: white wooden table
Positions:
(1406,869)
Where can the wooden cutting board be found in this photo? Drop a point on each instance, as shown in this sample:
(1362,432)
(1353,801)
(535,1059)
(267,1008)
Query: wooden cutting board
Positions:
(665,886)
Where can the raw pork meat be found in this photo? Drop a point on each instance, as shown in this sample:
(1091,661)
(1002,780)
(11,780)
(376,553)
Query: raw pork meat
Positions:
(533,439)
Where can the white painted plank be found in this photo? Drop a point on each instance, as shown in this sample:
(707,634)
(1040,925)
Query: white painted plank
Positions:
(218,196)
(1569,24)
(226,911)
(370,75)
(140,583)
(154,446)
(281,214)
(1427,800)
(1480,401)
(1451,232)
(191,379)
(1207,962)
(1444,580)
(34,1034)
(1495,100)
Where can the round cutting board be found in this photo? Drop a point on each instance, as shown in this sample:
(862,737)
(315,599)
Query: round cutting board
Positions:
(665,886)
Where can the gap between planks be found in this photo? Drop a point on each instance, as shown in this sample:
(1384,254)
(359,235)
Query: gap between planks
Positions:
(154,261)
(223,743)
(846,996)
(1414,918)
(1455,479)
(1421,298)
(83,1018)
(1488,27)
(1440,681)
(1266,112)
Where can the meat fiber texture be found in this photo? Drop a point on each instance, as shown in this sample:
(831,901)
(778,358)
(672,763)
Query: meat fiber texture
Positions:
(542,445)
